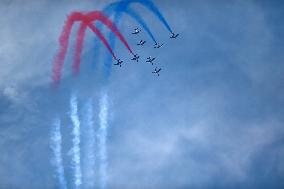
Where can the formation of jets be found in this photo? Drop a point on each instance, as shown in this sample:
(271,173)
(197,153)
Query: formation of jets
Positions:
(149,59)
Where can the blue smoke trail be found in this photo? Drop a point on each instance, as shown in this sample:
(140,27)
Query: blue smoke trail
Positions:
(90,145)
(76,140)
(121,7)
(141,22)
(103,114)
(56,141)
(151,6)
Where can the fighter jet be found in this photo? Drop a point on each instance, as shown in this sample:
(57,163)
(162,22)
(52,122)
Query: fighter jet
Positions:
(136,31)
(174,36)
(150,60)
(141,43)
(119,63)
(136,57)
(156,71)
(157,45)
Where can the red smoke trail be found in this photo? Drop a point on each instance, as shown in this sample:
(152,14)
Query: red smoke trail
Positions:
(86,20)
(98,15)
(103,39)
(79,46)
(80,40)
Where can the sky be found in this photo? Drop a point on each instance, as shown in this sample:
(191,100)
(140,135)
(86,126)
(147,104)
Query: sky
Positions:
(212,119)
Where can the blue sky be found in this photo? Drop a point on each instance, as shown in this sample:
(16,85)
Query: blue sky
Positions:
(213,119)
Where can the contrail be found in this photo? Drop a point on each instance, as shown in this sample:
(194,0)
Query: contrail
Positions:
(56,141)
(76,140)
(89,160)
(103,114)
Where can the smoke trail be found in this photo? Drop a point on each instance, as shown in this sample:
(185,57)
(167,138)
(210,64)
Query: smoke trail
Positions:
(79,47)
(65,35)
(90,144)
(79,44)
(76,140)
(151,6)
(55,145)
(103,114)
(107,22)
(140,20)
(123,7)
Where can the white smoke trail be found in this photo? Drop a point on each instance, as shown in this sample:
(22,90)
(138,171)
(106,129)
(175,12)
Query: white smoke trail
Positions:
(103,114)
(89,160)
(56,141)
(76,140)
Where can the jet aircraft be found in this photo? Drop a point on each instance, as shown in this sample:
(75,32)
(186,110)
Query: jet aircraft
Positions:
(141,42)
(156,71)
(136,31)
(136,57)
(174,36)
(150,60)
(157,45)
(119,63)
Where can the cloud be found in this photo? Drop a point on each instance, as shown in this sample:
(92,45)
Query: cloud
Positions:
(213,119)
